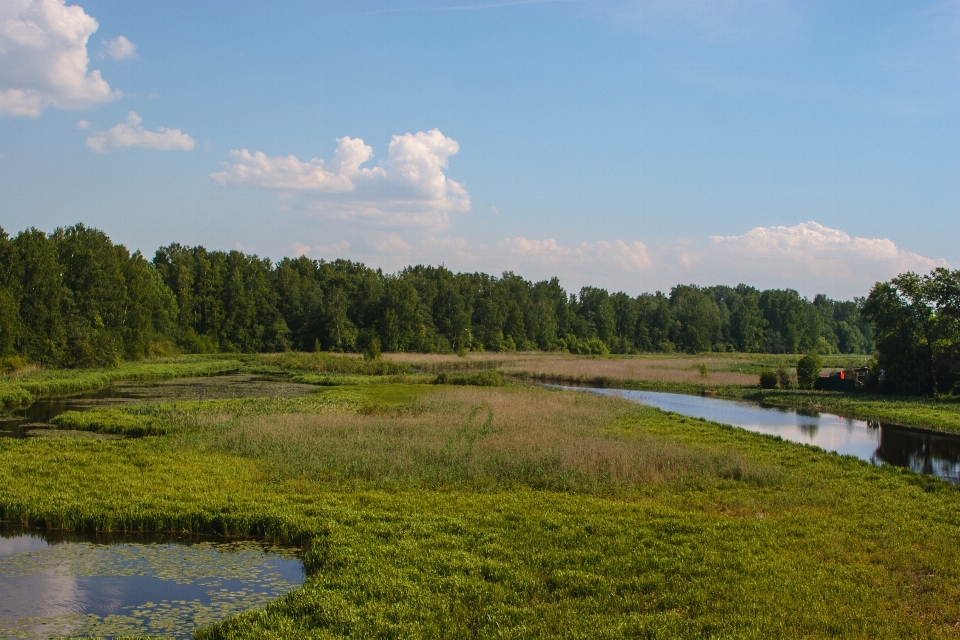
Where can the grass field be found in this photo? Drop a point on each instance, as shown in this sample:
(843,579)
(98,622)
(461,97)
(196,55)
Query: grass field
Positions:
(511,511)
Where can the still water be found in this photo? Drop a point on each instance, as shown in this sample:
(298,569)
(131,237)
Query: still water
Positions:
(922,451)
(73,585)
(34,419)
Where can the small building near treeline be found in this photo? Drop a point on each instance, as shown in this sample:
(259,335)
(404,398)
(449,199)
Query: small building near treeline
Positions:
(845,380)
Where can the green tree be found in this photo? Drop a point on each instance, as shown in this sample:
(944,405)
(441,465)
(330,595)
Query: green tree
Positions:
(746,320)
(94,301)
(43,335)
(916,332)
(9,296)
(696,319)
(808,370)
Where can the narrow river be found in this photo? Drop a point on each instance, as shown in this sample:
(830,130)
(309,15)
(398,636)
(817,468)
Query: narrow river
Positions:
(922,451)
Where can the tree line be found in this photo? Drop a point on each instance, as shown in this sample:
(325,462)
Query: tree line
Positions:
(917,332)
(74,298)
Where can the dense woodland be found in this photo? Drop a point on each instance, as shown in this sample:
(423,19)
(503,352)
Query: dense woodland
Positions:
(74,298)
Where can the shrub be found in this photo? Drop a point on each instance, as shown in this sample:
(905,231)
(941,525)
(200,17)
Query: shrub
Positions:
(372,350)
(768,379)
(12,364)
(808,370)
(783,377)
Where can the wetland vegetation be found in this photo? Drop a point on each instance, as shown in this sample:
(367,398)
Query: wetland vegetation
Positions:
(464,510)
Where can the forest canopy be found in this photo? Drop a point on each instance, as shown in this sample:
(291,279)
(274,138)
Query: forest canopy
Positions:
(74,298)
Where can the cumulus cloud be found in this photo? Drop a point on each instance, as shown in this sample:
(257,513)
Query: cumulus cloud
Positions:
(820,249)
(119,49)
(808,256)
(409,189)
(43,58)
(131,134)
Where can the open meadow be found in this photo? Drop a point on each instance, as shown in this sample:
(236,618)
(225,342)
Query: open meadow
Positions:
(455,510)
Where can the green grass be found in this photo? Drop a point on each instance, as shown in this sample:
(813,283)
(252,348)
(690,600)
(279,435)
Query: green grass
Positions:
(488,378)
(109,421)
(322,362)
(340,379)
(443,511)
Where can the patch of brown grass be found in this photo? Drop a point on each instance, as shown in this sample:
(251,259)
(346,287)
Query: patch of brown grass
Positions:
(481,438)
(675,369)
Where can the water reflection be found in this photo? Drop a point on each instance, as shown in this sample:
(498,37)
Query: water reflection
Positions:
(106,586)
(922,451)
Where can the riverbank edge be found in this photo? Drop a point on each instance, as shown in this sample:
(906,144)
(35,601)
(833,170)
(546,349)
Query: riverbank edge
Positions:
(942,416)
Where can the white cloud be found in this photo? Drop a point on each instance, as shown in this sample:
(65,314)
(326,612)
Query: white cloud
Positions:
(809,257)
(300,249)
(409,189)
(43,58)
(119,49)
(131,134)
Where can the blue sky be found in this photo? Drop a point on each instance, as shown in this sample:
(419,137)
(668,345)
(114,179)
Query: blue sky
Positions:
(631,145)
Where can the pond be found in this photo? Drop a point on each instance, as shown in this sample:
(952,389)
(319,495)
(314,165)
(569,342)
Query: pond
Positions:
(34,419)
(923,451)
(74,585)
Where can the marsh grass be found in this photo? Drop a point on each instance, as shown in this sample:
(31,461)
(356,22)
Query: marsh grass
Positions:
(477,438)
(322,362)
(342,379)
(113,421)
(826,546)
(563,367)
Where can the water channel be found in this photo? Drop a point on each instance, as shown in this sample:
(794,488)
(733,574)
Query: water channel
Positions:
(65,584)
(34,419)
(923,451)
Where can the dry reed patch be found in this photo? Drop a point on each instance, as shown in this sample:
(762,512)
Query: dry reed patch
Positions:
(571,367)
(478,437)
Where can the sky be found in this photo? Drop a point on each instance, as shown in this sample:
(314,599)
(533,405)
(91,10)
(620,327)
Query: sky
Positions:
(632,145)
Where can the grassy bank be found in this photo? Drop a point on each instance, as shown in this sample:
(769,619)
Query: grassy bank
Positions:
(456,511)
(940,414)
